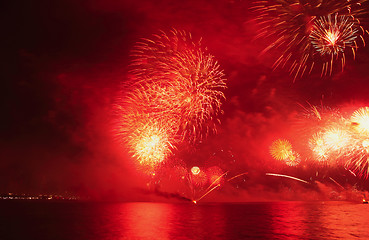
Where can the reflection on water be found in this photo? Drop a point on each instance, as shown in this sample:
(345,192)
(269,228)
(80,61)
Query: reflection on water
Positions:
(171,221)
(102,221)
(288,220)
(143,221)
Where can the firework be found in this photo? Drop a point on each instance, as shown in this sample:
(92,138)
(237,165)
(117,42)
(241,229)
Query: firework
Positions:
(182,79)
(293,159)
(281,149)
(292,25)
(216,178)
(148,134)
(150,143)
(357,157)
(198,180)
(332,138)
(237,176)
(330,144)
(336,139)
(358,161)
(331,35)
(174,94)
(318,147)
(360,120)
(318,129)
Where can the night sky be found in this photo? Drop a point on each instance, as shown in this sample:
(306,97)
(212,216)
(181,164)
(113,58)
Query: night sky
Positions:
(63,64)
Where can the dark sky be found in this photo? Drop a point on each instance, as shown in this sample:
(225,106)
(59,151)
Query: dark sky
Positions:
(64,61)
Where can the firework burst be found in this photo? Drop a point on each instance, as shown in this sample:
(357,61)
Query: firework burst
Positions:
(190,81)
(302,28)
(360,120)
(281,149)
(336,139)
(331,137)
(150,142)
(148,135)
(174,94)
(318,148)
(358,157)
(359,145)
(293,159)
(331,36)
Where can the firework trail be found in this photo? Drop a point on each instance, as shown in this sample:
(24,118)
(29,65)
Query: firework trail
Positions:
(216,184)
(299,28)
(336,183)
(286,176)
(237,176)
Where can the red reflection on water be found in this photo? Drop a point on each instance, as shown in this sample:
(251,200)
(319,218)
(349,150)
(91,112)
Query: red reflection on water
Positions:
(147,220)
(346,220)
(170,221)
(288,219)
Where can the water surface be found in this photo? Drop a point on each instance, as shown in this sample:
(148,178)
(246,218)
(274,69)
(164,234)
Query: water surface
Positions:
(140,220)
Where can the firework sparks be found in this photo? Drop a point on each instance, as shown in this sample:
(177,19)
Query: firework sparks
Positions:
(358,161)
